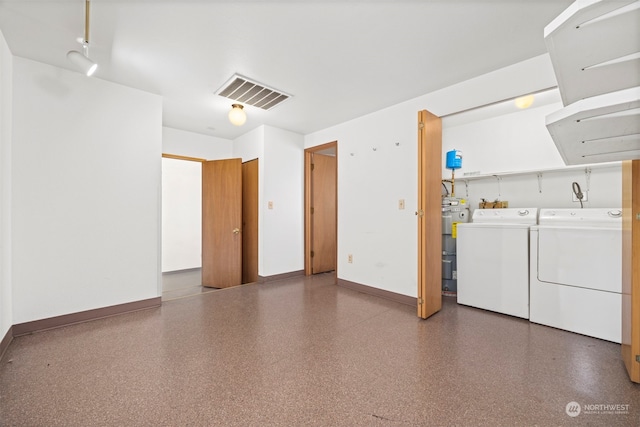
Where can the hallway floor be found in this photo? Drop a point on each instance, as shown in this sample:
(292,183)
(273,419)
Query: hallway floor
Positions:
(302,351)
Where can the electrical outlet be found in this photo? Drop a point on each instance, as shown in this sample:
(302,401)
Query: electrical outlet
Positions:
(350,259)
(401,204)
(585,196)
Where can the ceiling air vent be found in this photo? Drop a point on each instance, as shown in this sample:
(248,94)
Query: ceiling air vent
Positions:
(245,91)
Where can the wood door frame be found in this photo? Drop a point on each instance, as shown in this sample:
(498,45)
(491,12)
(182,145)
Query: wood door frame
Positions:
(178,157)
(307,202)
(429,214)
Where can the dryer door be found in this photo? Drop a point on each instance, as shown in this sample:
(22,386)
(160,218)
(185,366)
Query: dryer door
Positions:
(582,257)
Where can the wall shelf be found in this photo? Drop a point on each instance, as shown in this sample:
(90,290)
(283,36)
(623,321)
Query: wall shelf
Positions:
(594,47)
(561,169)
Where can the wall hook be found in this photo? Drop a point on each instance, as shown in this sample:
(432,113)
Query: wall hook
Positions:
(539,182)
(587,177)
(499,191)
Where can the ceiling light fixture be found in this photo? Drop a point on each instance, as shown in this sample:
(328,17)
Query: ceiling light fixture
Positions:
(237,115)
(524,101)
(81,60)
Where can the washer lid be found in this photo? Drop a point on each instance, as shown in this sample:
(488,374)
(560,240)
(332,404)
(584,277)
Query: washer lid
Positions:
(588,217)
(506,216)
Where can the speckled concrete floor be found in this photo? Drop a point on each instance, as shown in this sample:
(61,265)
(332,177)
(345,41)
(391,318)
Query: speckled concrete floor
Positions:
(302,351)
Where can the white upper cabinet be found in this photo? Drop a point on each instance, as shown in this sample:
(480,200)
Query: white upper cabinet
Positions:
(594,47)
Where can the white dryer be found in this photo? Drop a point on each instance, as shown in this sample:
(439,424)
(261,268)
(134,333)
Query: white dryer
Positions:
(576,271)
(493,260)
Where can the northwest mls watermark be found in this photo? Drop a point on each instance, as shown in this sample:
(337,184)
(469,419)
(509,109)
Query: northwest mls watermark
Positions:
(573,409)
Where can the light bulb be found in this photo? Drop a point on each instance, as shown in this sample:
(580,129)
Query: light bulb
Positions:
(524,101)
(237,115)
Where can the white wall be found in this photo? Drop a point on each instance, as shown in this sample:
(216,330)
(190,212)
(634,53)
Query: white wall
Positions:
(250,146)
(182,195)
(181,214)
(191,144)
(281,180)
(282,230)
(382,238)
(86,192)
(6,98)
(377,166)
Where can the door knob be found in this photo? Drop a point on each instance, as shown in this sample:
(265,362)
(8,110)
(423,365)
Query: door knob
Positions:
(236,230)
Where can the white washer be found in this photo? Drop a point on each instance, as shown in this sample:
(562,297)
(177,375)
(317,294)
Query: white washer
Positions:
(493,260)
(576,271)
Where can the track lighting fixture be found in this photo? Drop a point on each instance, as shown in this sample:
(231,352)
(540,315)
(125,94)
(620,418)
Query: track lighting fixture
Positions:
(237,115)
(81,60)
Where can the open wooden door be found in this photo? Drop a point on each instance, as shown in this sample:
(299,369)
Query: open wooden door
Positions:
(221,223)
(429,214)
(323,213)
(320,208)
(631,268)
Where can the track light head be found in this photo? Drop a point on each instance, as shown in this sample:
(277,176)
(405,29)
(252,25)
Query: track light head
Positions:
(81,60)
(84,64)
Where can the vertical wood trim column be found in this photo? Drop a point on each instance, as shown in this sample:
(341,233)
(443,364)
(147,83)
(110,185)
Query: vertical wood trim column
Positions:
(631,267)
(429,214)
(250,218)
(307,212)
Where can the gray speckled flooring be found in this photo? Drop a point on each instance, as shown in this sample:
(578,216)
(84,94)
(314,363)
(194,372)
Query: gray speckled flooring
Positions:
(302,351)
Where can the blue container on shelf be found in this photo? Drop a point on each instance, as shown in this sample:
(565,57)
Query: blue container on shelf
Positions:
(454,159)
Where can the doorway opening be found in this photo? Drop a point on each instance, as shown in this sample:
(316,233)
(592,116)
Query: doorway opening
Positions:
(321,208)
(191,211)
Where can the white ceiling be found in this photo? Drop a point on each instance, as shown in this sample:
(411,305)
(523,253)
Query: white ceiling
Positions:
(339,59)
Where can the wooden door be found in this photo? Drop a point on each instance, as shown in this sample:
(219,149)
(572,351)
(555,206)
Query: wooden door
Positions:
(323,213)
(429,214)
(631,268)
(221,223)
(250,221)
